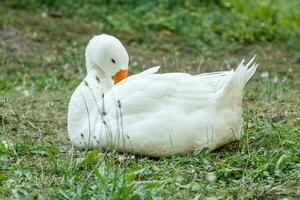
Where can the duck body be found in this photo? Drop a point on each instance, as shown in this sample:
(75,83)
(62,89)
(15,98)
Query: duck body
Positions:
(159,114)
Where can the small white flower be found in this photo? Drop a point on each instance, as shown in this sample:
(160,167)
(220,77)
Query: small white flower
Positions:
(211,177)
(275,79)
(134,63)
(25,93)
(264,75)
(44,15)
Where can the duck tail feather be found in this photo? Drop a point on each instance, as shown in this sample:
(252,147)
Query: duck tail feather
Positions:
(232,90)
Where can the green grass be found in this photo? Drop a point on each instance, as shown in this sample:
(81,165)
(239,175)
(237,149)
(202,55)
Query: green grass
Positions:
(42,61)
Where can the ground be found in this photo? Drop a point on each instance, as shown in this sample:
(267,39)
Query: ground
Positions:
(42,61)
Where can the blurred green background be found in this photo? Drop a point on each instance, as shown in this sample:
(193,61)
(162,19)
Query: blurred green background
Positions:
(50,36)
(203,25)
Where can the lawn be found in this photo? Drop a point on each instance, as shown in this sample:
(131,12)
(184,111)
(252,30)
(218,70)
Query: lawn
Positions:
(42,61)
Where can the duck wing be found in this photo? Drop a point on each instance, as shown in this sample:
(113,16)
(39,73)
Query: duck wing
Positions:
(148,92)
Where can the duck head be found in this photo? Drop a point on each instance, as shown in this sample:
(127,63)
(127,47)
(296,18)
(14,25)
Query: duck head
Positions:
(107,55)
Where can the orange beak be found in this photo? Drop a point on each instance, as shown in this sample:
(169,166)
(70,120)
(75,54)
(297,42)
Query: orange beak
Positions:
(120,75)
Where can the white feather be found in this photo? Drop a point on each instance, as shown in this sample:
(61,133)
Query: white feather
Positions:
(160,114)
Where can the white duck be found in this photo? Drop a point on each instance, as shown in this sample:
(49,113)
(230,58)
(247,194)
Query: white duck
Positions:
(153,114)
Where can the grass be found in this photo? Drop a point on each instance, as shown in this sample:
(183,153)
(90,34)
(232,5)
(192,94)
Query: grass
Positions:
(41,62)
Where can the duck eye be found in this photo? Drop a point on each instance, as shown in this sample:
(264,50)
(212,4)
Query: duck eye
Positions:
(112,60)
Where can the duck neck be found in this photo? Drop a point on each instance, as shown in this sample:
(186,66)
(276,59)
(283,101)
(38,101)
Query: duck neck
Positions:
(98,80)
